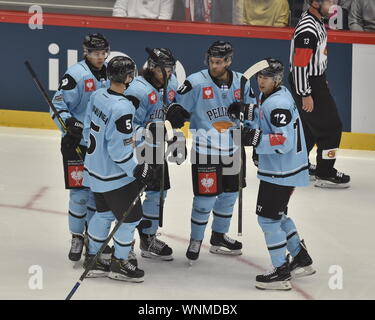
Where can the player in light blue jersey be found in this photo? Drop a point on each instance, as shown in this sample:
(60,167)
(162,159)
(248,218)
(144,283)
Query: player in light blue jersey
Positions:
(283,165)
(215,153)
(112,172)
(146,92)
(75,89)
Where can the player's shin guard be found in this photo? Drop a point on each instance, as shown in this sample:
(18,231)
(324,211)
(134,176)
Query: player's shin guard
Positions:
(292,237)
(275,239)
(91,207)
(151,210)
(200,214)
(123,240)
(77,210)
(223,210)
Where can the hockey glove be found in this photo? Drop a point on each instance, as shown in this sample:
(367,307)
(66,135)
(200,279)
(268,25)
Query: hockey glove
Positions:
(176,115)
(144,173)
(178,147)
(251,137)
(248,110)
(74,127)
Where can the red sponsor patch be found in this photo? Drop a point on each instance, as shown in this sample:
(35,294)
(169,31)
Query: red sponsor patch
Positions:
(276,139)
(208,93)
(237,94)
(171,95)
(207,182)
(302,57)
(89,85)
(75,176)
(152,97)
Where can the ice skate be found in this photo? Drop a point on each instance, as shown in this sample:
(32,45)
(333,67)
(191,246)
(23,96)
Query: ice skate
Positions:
(338,181)
(193,250)
(124,270)
(98,270)
(152,247)
(312,172)
(277,279)
(222,244)
(301,265)
(76,248)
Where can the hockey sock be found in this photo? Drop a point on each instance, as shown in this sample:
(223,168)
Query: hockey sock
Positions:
(77,210)
(151,210)
(293,240)
(123,240)
(98,231)
(223,210)
(200,214)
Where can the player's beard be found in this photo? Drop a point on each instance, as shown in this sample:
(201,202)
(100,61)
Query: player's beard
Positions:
(218,74)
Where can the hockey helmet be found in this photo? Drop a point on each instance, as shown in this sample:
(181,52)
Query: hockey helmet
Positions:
(220,49)
(119,68)
(158,56)
(94,42)
(275,70)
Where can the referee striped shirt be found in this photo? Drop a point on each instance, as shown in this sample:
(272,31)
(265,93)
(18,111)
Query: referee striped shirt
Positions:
(308,52)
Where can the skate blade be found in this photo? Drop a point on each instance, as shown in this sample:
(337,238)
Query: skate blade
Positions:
(97,274)
(225,251)
(121,277)
(330,185)
(302,272)
(278,285)
(149,255)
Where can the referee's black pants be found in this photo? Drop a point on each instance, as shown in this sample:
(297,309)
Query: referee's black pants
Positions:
(322,126)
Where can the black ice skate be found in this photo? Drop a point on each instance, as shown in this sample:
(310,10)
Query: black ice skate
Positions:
(222,244)
(106,255)
(339,181)
(301,264)
(76,249)
(312,172)
(99,269)
(277,279)
(193,250)
(125,271)
(152,247)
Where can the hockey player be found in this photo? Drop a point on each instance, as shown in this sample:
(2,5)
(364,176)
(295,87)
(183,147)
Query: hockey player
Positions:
(146,93)
(207,95)
(283,165)
(75,89)
(113,173)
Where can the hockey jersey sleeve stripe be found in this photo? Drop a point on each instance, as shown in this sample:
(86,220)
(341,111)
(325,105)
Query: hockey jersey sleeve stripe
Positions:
(302,57)
(286,175)
(126,159)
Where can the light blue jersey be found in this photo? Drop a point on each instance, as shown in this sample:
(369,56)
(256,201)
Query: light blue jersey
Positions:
(76,87)
(208,103)
(282,150)
(108,129)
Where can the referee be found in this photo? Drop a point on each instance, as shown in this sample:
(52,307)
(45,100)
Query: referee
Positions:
(317,108)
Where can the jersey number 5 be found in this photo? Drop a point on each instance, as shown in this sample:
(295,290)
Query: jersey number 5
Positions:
(92,146)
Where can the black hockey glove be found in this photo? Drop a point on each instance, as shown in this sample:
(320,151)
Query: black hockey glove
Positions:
(74,127)
(255,158)
(177,146)
(176,115)
(248,110)
(144,173)
(251,137)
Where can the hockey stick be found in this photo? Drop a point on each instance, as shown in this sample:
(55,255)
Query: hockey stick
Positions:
(117,226)
(165,124)
(254,69)
(50,104)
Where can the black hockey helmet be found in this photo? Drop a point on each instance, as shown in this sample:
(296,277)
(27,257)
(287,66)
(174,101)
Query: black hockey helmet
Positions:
(157,56)
(275,70)
(119,68)
(95,41)
(220,49)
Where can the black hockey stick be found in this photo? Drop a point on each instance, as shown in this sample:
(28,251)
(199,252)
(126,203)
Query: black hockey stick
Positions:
(254,69)
(117,226)
(50,104)
(165,86)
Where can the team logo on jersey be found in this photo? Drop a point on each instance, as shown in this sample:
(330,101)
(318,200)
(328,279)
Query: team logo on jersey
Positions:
(237,94)
(75,174)
(207,183)
(208,93)
(171,95)
(89,85)
(152,97)
(222,126)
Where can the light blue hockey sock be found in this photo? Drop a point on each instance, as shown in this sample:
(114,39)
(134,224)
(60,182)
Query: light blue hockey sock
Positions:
(99,227)
(223,211)
(200,214)
(293,239)
(150,207)
(91,207)
(77,210)
(123,239)
(275,240)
